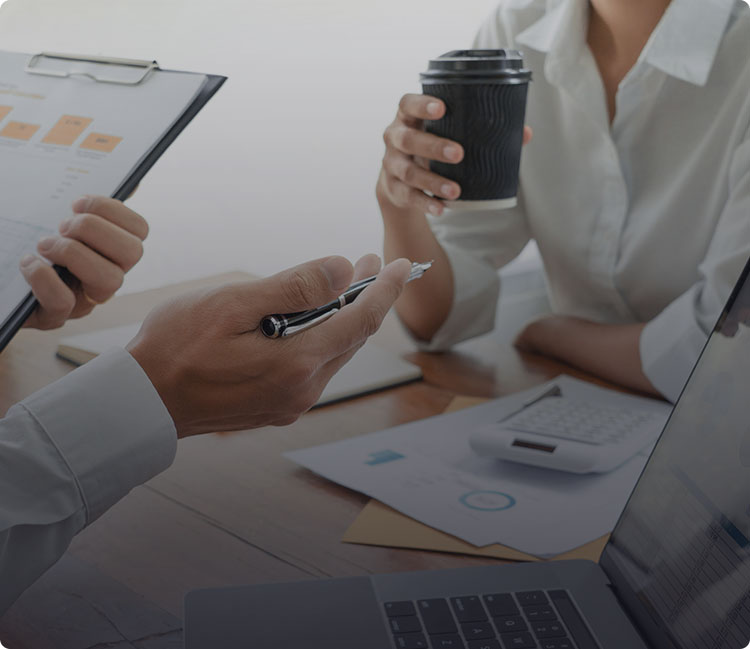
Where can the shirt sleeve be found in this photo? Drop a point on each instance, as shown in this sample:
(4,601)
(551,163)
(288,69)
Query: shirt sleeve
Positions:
(671,343)
(67,454)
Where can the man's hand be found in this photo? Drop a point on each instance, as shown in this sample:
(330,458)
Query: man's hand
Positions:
(98,244)
(216,371)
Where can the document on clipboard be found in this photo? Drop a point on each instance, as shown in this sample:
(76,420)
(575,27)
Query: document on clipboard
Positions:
(73,125)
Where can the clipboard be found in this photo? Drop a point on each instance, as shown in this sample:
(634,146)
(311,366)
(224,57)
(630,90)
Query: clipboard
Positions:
(122,73)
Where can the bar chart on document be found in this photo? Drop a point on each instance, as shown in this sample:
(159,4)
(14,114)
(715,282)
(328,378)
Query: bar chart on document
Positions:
(61,138)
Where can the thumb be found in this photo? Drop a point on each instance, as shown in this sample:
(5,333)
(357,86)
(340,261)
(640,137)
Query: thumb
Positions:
(303,287)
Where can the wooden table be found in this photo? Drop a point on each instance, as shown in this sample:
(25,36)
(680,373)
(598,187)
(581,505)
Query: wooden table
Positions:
(231,510)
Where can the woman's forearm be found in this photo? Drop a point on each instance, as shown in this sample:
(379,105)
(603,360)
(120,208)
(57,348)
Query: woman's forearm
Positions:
(424,305)
(611,352)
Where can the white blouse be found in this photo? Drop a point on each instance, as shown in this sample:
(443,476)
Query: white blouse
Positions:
(643,220)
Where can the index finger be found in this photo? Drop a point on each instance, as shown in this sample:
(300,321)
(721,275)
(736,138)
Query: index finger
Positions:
(359,320)
(413,107)
(301,288)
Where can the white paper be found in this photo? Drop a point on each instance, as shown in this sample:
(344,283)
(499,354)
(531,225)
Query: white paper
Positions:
(427,470)
(39,180)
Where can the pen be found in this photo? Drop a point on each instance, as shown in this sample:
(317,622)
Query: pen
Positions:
(552,391)
(287,324)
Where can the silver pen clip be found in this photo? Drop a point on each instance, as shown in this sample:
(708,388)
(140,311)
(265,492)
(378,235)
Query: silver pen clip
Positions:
(293,329)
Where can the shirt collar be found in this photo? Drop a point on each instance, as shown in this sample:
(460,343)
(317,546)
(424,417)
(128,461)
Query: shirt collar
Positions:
(686,40)
(684,43)
(561,30)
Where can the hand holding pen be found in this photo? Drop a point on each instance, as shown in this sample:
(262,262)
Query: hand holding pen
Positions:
(287,324)
(195,348)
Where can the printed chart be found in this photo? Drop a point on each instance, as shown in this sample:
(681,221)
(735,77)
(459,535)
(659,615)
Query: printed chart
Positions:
(66,132)
(65,136)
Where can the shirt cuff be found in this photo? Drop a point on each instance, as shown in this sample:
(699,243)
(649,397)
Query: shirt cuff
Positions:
(110,427)
(670,345)
(475,292)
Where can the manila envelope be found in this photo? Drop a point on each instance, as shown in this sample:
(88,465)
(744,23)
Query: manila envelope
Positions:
(378,524)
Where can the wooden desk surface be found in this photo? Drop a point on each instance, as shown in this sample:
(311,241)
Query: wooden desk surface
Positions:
(231,510)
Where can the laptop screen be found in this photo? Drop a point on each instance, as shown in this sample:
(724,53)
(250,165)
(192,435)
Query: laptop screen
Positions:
(679,557)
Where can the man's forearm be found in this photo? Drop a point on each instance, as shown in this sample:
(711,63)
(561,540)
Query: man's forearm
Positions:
(608,351)
(69,452)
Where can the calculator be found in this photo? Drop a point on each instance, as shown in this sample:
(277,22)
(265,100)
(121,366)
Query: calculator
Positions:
(569,434)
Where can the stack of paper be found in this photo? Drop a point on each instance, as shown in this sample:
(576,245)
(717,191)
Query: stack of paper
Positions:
(427,470)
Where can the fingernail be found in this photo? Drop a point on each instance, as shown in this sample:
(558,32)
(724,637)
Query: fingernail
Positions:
(82,204)
(65,225)
(447,190)
(46,243)
(435,209)
(367,260)
(27,261)
(451,152)
(338,271)
(405,263)
(401,266)
(433,108)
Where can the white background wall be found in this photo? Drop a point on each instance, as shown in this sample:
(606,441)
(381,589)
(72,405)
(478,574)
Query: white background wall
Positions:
(281,165)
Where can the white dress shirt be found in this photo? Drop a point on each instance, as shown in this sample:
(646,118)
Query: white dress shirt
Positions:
(643,220)
(67,454)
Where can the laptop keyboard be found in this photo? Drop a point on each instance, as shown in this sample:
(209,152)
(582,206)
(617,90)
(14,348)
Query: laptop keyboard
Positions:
(523,620)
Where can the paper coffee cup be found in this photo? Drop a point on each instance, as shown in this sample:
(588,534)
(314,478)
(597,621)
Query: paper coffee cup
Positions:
(485,96)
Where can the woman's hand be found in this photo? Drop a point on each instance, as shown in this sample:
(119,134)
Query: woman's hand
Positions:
(97,244)
(405,175)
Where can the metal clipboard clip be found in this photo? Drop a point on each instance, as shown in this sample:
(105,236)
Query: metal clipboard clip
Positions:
(147,67)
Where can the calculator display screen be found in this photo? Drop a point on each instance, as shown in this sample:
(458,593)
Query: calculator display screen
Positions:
(534,446)
(679,557)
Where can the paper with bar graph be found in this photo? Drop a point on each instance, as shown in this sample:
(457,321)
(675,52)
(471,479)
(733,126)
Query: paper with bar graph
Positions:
(65,136)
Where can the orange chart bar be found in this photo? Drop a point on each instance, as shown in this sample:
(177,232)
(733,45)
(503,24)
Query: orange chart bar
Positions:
(101,142)
(67,130)
(4,110)
(19,130)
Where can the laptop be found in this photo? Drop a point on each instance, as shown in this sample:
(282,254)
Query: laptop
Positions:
(674,575)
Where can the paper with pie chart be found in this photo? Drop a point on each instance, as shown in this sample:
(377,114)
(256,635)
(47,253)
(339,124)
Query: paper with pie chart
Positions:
(62,137)
(427,470)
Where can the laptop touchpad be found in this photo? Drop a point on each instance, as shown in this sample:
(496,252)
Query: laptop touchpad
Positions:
(324,614)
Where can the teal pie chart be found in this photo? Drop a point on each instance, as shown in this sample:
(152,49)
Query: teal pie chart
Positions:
(487,501)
